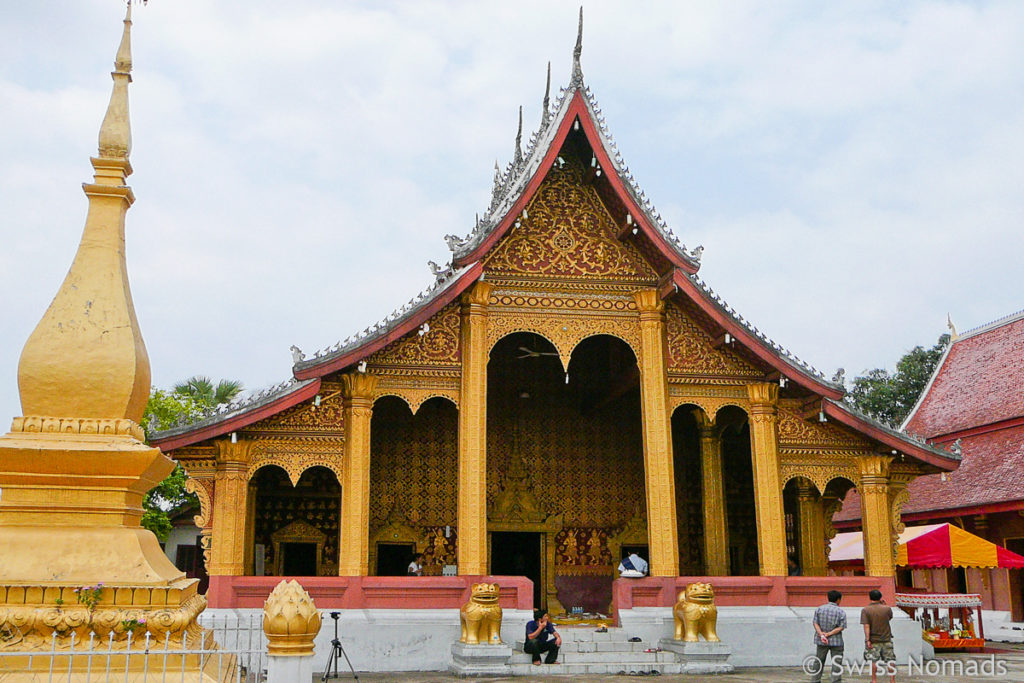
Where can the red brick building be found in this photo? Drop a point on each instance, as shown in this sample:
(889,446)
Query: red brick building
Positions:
(974,398)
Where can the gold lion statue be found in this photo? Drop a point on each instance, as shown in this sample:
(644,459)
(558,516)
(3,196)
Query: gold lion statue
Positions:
(695,614)
(481,616)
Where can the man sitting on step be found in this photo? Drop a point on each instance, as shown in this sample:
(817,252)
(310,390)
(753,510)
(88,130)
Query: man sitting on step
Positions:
(542,637)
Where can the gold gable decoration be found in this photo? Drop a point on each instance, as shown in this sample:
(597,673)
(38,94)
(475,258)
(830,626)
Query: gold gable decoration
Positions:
(566,231)
(435,344)
(690,350)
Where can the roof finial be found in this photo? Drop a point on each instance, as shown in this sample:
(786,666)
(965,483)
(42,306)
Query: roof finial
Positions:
(577,70)
(547,94)
(518,158)
(952,328)
(115,132)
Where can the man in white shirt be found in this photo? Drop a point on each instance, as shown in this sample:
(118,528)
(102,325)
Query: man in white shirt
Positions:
(633,566)
(416,566)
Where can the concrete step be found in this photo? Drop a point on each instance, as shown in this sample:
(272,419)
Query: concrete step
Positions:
(602,657)
(612,646)
(583,668)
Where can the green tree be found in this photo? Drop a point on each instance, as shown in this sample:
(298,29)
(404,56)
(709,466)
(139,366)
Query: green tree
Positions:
(203,391)
(188,401)
(889,397)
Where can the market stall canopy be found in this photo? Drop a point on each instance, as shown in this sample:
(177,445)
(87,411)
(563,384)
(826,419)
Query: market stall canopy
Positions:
(950,546)
(849,546)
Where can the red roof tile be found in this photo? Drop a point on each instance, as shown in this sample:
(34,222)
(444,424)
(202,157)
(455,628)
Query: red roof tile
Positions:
(992,471)
(979,381)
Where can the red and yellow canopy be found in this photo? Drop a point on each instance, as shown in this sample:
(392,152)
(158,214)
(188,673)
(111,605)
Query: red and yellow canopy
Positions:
(949,546)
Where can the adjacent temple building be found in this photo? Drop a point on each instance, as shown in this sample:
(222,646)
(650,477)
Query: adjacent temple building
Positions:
(568,390)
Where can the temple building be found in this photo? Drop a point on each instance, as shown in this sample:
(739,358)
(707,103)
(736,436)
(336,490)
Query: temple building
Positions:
(568,390)
(974,403)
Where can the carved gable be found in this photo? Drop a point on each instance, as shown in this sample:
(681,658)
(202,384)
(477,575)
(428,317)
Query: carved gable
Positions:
(690,350)
(437,346)
(795,432)
(567,232)
(305,418)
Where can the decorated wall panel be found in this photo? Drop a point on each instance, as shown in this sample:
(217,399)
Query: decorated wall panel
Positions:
(567,232)
(414,472)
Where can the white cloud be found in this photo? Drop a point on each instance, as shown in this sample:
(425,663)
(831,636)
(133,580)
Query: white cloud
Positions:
(854,170)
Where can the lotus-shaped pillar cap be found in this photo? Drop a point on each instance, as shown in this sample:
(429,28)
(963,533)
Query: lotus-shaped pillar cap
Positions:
(290,620)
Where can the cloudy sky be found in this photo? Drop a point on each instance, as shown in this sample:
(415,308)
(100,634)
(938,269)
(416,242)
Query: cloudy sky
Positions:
(854,170)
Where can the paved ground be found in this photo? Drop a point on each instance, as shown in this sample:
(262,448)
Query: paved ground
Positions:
(956,668)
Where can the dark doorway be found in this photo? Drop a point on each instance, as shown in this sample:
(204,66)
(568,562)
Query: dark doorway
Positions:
(393,559)
(299,559)
(517,553)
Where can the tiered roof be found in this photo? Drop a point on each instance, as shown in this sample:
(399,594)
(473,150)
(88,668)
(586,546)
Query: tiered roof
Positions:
(575,110)
(973,403)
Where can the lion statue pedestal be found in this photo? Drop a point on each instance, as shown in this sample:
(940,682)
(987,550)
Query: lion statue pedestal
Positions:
(480,651)
(696,617)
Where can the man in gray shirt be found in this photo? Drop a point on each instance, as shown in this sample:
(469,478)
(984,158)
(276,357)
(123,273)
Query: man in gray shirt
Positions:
(829,622)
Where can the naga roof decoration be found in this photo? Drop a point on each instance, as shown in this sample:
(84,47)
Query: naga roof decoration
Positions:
(238,414)
(575,108)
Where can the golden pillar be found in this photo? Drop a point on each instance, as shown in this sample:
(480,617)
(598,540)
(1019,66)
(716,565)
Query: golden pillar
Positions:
(230,509)
(813,561)
(771,525)
(875,515)
(472,522)
(716,533)
(358,391)
(658,467)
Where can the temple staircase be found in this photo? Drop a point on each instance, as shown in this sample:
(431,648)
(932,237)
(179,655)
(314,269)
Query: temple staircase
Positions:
(586,651)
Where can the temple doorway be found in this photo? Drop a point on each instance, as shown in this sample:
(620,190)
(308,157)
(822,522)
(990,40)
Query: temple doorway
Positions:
(393,558)
(517,553)
(298,559)
(294,529)
(565,460)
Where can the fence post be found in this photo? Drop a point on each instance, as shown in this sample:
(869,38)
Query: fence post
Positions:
(291,622)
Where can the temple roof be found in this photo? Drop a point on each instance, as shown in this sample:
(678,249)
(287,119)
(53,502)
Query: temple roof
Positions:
(576,109)
(990,477)
(976,382)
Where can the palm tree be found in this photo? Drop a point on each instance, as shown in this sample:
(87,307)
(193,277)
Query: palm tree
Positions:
(202,390)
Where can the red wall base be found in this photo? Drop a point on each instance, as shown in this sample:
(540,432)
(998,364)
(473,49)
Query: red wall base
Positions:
(789,591)
(371,592)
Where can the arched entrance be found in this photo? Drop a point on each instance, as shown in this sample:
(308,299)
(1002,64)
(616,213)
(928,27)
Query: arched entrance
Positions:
(414,465)
(295,528)
(565,463)
(738,482)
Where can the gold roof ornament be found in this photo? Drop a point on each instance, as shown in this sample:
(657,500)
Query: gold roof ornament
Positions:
(290,620)
(86,357)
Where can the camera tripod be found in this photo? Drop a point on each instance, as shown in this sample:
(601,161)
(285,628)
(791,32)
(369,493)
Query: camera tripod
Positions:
(336,649)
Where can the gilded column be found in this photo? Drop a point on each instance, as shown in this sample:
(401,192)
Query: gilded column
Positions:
(716,534)
(875,515)
(230,509)
(472,547)
(771,526)
(658,467)
(357,390)
(813,561)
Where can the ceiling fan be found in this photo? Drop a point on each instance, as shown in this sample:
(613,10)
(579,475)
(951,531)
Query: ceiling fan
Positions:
(530,353)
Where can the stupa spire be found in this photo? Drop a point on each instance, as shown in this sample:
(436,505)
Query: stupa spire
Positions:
(116,130)
(577,52)
(86,357)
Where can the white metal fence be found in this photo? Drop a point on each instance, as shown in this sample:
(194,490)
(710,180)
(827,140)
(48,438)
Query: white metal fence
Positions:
(237,653)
